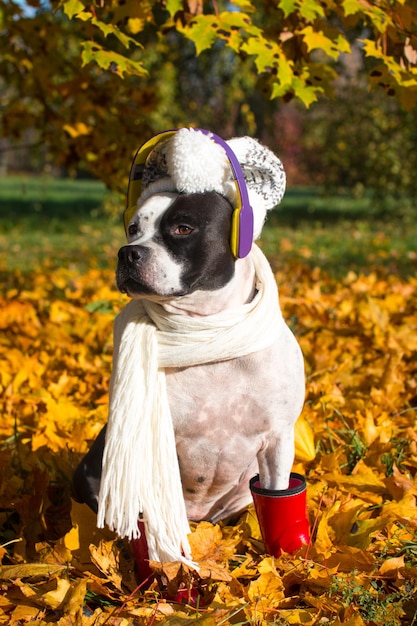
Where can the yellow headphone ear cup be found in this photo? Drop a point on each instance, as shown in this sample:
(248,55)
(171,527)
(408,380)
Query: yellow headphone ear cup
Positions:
(234,233)
(134,189)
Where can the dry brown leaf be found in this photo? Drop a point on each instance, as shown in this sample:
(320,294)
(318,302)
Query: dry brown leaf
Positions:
(300,617)
(209,543)
(390,568)
(23,614)
(55,597)
(213,571)
(29,570)
(105,557)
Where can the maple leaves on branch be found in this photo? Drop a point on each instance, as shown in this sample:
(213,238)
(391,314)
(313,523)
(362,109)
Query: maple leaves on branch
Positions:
(84,83)
(356,442)
(294,45)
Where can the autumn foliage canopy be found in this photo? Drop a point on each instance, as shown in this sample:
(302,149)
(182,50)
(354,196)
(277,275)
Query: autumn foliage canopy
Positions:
(88,82)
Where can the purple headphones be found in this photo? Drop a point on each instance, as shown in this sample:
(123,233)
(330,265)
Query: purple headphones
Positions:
(242,219)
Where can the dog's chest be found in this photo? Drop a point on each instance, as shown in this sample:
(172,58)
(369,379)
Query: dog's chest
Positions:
(214,398)
(221,422)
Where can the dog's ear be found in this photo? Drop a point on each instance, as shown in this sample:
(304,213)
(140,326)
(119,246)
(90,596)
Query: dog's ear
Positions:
(264,175)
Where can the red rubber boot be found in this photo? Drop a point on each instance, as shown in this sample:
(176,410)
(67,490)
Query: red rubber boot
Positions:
(145,575)
(282,515)
(140,550)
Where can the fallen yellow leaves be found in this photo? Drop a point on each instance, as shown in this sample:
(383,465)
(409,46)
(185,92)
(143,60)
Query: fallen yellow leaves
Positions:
(356,443)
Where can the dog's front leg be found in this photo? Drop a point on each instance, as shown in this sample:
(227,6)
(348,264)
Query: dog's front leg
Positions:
(280,496)
(276,458)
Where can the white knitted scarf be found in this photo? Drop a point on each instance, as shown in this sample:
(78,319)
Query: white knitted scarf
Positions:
(141,475)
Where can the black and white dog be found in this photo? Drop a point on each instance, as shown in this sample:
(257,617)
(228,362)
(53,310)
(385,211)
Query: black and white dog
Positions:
(233,415)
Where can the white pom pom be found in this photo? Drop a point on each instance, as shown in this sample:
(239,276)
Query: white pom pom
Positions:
(196,163)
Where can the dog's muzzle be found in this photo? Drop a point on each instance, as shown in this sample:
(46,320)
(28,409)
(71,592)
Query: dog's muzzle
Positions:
(131,269)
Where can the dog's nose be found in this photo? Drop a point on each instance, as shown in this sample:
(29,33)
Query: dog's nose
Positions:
(130,254)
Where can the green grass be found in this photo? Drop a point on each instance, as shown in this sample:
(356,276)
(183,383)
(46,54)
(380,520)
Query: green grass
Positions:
(346,245)
(41,199)
(78,223)
(56,221)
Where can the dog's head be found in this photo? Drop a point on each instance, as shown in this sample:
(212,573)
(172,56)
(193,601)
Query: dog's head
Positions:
(177,243)
(181,224)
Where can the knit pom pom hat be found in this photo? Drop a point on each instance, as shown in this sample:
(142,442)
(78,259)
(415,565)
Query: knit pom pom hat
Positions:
(191,162)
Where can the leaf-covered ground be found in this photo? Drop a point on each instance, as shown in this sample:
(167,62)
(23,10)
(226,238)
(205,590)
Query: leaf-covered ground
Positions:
(356,443)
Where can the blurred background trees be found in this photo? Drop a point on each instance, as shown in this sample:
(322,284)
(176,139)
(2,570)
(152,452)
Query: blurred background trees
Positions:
(330,86)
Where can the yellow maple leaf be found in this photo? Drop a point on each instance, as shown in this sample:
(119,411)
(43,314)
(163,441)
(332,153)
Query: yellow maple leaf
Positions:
(78,129)
(304,440)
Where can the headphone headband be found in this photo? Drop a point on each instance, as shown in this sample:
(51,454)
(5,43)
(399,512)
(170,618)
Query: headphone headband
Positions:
(242,219)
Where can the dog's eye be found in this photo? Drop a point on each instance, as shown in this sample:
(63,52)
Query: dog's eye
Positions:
(183,230)
(132,230)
